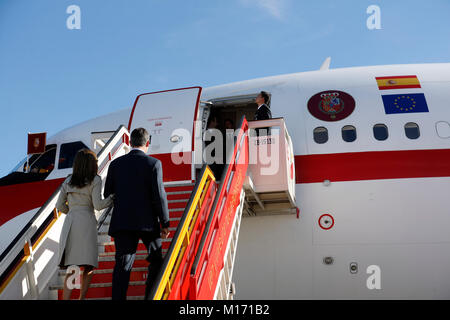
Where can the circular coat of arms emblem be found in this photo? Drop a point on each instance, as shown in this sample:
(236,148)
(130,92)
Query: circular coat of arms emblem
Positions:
(331,105)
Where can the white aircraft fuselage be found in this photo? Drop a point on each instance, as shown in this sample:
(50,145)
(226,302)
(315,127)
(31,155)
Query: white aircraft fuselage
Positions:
(372,170)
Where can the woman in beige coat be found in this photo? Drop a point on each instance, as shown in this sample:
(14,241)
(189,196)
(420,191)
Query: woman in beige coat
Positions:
(80,195)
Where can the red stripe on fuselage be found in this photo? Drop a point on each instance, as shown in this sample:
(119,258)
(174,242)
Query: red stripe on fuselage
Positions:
(372,165)
(352,166)
(19,198)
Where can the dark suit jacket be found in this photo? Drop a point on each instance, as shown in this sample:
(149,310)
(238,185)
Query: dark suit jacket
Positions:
(263,113)
(140,202)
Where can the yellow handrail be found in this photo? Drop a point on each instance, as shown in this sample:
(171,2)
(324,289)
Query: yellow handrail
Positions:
(182,241)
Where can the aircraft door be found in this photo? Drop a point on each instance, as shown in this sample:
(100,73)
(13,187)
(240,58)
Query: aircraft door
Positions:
(169,117)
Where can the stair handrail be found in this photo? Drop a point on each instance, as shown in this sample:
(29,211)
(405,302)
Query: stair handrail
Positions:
(123,133)
(203,258)
(189,228)
(15,255)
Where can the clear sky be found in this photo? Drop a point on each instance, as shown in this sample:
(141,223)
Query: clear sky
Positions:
(52,77)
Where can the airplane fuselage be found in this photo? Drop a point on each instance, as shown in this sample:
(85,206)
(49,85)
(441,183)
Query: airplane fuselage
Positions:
(372,172)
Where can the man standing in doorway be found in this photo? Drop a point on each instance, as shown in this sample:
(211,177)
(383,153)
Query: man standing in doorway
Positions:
(263,112)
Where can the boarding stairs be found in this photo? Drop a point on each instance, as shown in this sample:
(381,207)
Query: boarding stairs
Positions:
(200,260)
(205,219)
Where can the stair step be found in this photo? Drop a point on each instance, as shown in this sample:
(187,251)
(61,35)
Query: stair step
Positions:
(105,233)
(108,262)
(178,195)
(99,285)
(104,290)
(179,187)
(110,243)
(172,220)
(173,213)
(128,298)
(105,275)
(110,247)
(177,214)
(113,253)
(177,205)
(184,200)
(101,271)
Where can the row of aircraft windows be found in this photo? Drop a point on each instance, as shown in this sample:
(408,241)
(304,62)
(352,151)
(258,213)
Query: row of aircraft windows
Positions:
(380,132)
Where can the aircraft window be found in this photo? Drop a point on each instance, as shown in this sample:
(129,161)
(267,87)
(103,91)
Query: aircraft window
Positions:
(380,131)
(20,166)
(443,129)
(68,152)
(412,130)
(320,135)
(45,162)
(349,133)
(40,167)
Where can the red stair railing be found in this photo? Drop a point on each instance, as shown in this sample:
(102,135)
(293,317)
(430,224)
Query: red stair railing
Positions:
(209,261)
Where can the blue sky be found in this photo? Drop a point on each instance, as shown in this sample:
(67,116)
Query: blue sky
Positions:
(52,77)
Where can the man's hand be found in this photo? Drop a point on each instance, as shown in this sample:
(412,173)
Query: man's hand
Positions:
(165,233)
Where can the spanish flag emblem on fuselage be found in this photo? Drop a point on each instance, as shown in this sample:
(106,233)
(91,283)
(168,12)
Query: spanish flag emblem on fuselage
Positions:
(397,82)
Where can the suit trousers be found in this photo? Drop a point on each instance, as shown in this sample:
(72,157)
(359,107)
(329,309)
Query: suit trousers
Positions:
(126,243)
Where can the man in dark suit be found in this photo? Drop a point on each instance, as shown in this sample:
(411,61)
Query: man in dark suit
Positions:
(263,112)
(140,207)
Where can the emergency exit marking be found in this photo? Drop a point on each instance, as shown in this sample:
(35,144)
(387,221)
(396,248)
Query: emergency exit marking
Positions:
(326,221)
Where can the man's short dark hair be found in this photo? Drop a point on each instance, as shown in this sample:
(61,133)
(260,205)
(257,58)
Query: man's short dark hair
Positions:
(139,137)
(265,95)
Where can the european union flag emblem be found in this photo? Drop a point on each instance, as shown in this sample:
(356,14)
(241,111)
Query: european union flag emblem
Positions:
(404,103)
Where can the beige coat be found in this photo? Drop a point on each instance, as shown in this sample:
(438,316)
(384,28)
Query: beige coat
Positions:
(78,240)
